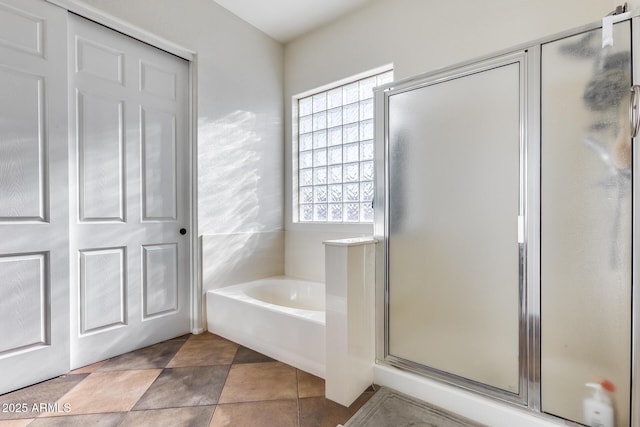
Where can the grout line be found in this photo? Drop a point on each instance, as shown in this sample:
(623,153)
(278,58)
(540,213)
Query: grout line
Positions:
(224,384)
(297,398)
(213,414)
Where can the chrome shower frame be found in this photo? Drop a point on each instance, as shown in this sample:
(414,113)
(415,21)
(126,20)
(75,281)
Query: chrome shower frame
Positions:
(529,396)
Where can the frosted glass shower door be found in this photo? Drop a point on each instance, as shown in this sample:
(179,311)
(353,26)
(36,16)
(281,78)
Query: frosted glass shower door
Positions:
(453,199)
(586,221)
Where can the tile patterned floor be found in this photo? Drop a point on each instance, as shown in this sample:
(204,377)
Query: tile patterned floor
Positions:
(193,380)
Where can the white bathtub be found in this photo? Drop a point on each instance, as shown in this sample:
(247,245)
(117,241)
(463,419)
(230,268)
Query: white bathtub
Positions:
(281,317)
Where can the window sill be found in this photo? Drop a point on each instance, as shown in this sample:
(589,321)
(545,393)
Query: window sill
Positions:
(357,228)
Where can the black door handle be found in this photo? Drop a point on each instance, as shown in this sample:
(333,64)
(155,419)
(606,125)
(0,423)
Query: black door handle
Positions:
(183,231)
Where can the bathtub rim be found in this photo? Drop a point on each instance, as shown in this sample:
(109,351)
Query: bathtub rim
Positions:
(236,292)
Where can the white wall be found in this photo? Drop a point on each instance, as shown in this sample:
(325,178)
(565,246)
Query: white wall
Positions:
(240,125)
(417,36)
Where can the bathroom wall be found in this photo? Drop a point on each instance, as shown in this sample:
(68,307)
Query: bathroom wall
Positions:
(415,36)
(240,151)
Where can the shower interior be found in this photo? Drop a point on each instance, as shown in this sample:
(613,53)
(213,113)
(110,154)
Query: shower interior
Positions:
(506,223)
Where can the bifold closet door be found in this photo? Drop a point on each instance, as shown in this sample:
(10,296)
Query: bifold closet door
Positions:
(129,191)
(586,221)
(454,154)
(34,254)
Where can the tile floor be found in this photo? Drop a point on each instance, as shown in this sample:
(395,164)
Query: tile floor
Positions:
(194,380)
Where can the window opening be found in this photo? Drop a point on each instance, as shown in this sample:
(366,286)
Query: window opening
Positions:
(336,152)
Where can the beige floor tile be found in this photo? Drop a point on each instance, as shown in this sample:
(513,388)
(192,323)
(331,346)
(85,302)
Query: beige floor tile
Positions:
(155,356)
(255,394)
(205,336)
(93,420)
(207,351)
(89,368)
(310,385)
(101,392)
(277,413)
(322,412)
(252,382)
(196,416)
(28,401)
(15,423)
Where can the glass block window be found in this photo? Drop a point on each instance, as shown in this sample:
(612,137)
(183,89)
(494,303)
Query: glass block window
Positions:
(335,152)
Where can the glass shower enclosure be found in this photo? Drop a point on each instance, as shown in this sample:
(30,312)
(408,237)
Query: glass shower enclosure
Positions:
(505,212)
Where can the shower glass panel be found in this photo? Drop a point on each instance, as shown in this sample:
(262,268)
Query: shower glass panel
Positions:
(586,221)
(453,196)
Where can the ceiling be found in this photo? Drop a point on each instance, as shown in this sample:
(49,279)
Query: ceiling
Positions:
(284,20)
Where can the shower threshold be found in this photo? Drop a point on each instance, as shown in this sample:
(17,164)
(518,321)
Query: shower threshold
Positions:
(389,408)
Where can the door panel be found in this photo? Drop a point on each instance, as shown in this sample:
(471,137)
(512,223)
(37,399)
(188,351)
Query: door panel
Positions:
(26,285)
(102,289)
(22,27)
(157,81)
(453,252)
(100,61)
(158,165)
(160,280)
(34,257)
(130,283)
(586,221)
(22,149)
(100,158)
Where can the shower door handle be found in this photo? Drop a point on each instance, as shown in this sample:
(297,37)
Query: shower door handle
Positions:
(634,111)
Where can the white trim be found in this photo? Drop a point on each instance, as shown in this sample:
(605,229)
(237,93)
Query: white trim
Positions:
(197,309)
(635,266)
(365,228)
(465,403)
(350,242)
(110,21)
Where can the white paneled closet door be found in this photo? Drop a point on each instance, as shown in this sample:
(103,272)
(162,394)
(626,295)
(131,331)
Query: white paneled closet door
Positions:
(129,191)
(34,257)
